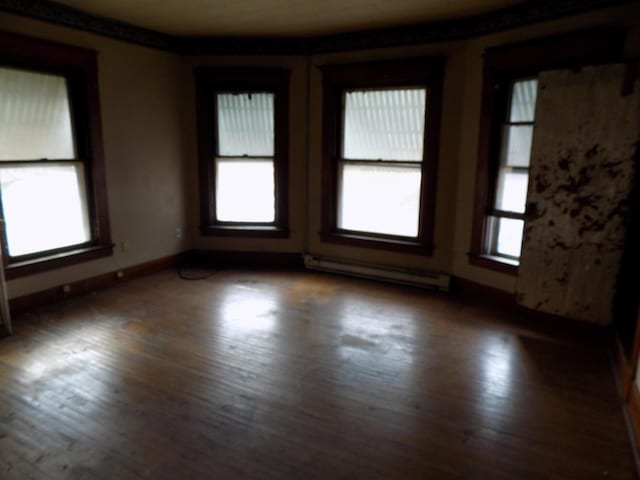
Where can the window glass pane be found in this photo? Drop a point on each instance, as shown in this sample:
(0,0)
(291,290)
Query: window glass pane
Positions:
(44,207)
(523,101)
(245,124)
(35,117)
(384,124)
(505,236)
(379,199)
(245,190)
(516,145)
(511,194)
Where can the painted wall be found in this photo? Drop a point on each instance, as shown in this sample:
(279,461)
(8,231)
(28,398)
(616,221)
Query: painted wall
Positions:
(144,143)
(148,116)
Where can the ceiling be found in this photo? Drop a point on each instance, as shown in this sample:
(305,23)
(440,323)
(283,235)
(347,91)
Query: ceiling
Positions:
(281,18)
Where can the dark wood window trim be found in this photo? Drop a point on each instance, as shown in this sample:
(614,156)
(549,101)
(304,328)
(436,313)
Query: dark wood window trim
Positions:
(80,68)
(503,65)
(210,81)
(417,72)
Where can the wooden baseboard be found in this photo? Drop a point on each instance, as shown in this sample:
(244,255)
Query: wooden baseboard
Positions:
(4,331)
(232,259)
(633,409)
(35,300)
(622,369)
(269,260)
(507,301)
(470,289)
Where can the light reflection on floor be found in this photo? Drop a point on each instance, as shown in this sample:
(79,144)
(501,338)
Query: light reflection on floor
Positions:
(496,397)
(245,311)
(496,368)
(365,327)
(370,355)
(67,366)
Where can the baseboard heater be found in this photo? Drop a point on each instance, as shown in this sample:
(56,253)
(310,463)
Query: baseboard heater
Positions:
(416,278)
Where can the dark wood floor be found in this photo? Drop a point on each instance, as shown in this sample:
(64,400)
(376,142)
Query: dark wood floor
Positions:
(297,375)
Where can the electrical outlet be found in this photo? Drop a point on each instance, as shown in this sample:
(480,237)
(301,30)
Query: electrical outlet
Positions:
(178,232)
(124,246)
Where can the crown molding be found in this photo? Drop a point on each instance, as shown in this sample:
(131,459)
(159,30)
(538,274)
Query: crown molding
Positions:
(517,16)
(244,46)
(58,14)
(464,28)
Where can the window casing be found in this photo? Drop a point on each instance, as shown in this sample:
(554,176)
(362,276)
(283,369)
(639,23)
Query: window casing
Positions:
(504,69)
(380,147)
(52,182)
(243,150)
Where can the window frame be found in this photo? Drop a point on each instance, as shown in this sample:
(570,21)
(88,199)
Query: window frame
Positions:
(502,66)
(209,82)
(79,67)
(504,97)
(424,72)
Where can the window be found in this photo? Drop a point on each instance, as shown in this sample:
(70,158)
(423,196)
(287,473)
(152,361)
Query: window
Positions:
(51,167)
(243,143)
(506,220)
(380,146)
(506,132)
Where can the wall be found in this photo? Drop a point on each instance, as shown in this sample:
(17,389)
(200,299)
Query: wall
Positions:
(148,117)
(142,114)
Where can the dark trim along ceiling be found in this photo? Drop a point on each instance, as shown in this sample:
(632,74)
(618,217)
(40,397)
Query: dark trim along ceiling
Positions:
(520,15)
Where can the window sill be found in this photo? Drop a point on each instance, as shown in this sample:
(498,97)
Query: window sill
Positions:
(58,260)
(256,231)
(491,262)
(366,241)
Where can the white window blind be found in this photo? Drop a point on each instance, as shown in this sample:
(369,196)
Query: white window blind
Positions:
(384,124)
(523,101)
(245,124)
(35,116)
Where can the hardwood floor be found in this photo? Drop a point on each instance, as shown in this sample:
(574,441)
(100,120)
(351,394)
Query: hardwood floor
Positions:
(296,375)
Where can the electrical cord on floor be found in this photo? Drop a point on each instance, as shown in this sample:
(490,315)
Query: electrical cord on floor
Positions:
(182,268)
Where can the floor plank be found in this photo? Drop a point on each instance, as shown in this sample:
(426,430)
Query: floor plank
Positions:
(301,375)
